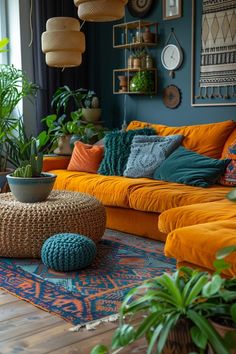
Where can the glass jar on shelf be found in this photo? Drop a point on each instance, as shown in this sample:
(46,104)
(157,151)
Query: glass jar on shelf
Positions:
(149,61)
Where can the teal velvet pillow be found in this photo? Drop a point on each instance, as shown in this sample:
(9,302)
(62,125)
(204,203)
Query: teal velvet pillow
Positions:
(148,152)
(188,167)
(117,149)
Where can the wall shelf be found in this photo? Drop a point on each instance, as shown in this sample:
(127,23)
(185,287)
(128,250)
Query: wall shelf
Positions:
(125,38)
(127,74)
(135,37)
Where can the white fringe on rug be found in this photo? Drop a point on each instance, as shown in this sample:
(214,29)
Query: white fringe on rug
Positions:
(93,324)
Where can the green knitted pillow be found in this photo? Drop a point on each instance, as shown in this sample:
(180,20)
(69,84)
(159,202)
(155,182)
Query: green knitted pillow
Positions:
(117,149)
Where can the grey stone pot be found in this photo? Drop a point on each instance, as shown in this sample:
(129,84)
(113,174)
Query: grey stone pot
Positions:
(31,190)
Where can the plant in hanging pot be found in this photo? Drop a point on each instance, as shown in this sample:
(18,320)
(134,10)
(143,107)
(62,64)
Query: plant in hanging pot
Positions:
(175,313)
(28,183)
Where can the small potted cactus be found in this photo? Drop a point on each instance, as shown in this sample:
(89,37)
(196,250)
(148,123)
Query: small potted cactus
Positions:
(28,183)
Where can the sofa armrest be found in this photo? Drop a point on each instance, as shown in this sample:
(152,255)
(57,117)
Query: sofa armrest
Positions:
(55,162)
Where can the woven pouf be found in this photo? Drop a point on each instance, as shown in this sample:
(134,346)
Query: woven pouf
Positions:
(25,226)
(67,252)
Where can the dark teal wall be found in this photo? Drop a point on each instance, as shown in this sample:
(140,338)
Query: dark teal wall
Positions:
(152,109)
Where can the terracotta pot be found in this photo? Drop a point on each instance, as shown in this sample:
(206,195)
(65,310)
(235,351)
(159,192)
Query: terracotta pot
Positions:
(64,147)
(222,330)
(123,83)
(148,37)
(179,340)
(137,63)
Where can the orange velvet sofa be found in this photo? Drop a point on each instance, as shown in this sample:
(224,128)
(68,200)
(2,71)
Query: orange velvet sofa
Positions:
(193,221)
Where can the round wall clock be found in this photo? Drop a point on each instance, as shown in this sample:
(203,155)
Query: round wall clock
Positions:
(171,57)
(171,96)
(139,8)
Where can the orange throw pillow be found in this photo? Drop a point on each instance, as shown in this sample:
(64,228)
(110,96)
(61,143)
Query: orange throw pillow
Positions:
(86,158)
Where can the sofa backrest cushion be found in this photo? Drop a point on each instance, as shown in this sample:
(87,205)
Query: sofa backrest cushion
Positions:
(85,157)
(188,167)
(117,149)
(206,139)
(148,152)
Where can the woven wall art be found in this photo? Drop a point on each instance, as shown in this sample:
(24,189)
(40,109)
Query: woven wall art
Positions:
(218,52)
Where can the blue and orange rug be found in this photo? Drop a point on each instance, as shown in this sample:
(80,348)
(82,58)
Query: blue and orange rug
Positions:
(122,262)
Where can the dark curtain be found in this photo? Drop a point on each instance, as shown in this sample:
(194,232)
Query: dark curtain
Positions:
(49,79)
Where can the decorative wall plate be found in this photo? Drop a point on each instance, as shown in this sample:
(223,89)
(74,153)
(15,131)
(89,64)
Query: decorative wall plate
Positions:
(171,96)
(139,8)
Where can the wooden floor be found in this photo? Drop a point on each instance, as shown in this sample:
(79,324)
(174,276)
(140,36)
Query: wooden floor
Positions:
(27,329)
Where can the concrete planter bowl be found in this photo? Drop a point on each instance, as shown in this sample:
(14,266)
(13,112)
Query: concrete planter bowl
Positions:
(31,190)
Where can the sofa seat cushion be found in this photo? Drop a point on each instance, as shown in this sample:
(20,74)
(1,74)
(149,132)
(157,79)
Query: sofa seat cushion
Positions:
(206,139)
(198,244)
(110,190)
(158,196)
(196,214)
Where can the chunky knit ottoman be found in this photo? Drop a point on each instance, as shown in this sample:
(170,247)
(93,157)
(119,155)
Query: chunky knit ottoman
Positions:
(67,252)
(25,226)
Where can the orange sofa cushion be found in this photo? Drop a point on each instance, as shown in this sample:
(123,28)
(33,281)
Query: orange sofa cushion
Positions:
(85,157)
(110,190)
(158,196)
(196,214)
(55,162)
(206,139)
(198,244)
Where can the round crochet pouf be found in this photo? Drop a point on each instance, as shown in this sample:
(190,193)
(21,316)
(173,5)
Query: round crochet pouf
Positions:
(67,252)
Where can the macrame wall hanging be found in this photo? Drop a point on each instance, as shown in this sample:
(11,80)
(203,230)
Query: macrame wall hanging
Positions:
(218,52)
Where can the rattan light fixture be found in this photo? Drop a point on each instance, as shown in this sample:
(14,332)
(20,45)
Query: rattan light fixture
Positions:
(63,43)
(100,10)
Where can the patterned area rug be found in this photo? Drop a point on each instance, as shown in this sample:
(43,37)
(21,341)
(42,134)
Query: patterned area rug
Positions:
(122,262)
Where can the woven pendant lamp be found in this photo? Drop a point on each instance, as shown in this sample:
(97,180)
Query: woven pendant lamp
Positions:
(63,43)
(100,10)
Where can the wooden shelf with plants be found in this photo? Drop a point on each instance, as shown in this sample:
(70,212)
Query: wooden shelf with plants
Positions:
(129,81)
(140,76)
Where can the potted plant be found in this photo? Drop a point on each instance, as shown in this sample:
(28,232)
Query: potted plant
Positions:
(178,312)
(142,81)
(82,99)
(63,133)
(139,58)
(14,86)
(27,183)
(68,124)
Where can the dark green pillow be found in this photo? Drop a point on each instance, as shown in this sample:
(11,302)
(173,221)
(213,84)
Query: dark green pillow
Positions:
(117,149)
(188,167)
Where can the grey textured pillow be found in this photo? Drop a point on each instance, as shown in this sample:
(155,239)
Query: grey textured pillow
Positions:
(148,152)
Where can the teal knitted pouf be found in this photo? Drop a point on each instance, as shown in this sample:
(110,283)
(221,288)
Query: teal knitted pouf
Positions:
(67,252)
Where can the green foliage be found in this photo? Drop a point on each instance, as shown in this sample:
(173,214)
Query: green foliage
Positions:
(79,98)
(60,126)
(14,86)
(187,294)
(142,82)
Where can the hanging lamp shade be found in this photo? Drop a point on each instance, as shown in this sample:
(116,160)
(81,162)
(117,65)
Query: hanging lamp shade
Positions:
(100,10)
(63,43)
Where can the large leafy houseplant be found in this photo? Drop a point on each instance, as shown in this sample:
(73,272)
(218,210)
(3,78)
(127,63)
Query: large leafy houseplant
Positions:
(14,86)
(187,297)
(68,120)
